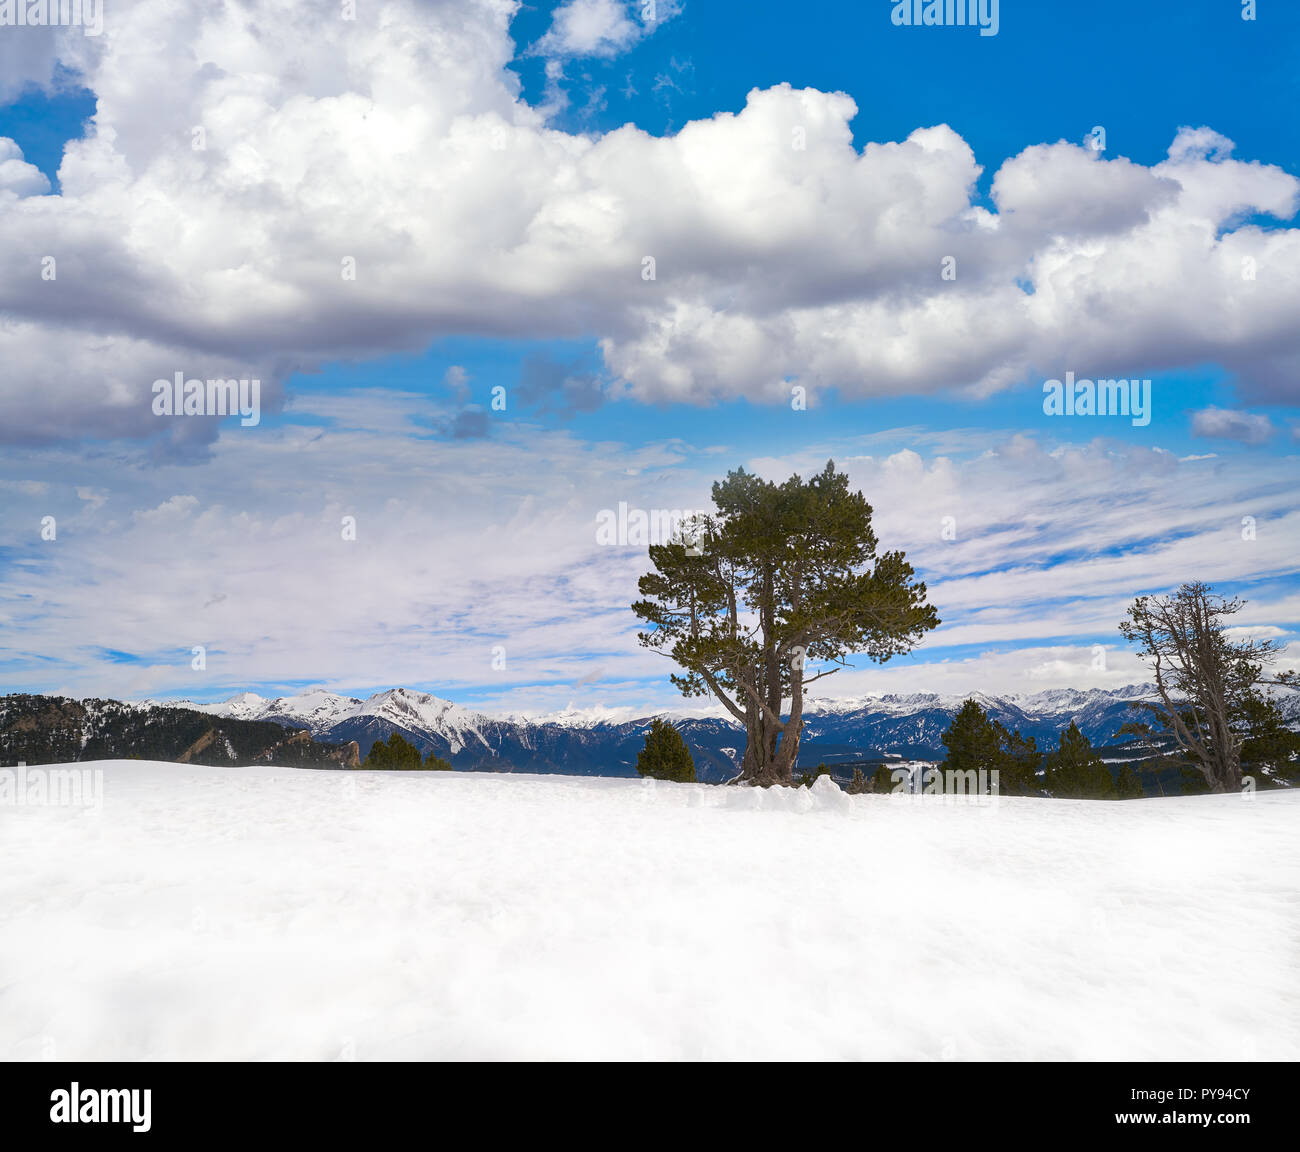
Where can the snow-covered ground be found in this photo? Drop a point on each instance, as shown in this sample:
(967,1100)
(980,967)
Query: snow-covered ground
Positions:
(272,913)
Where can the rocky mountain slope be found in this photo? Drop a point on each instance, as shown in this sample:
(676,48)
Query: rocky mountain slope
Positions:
(57,730)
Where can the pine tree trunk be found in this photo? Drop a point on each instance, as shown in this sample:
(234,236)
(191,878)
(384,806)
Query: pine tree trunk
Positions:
(759,764)
(787,756)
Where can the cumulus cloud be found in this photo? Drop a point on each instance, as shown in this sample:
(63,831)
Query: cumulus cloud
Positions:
(38,57)
(1060,189)
(1229,424)
(368,186)
(17,176)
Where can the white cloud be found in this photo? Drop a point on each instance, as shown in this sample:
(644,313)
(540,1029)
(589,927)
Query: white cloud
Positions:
(1227,424)
(16,175)
(602,28)
(466,546)
(590,28)
(783,253)
(31,55)
(399,141)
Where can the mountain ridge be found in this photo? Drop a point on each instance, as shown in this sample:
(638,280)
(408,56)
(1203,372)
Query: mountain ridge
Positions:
(838,732)
(317,705)
(598,741)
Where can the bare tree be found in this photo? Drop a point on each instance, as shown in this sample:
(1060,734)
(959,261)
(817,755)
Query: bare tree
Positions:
(1208,683)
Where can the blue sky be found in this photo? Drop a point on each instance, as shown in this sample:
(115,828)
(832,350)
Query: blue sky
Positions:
(1053,71)
(516,267)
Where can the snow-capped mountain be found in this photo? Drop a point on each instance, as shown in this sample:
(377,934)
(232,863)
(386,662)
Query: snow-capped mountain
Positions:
(606,740)
(312,709)
(1050,702)
(592,741)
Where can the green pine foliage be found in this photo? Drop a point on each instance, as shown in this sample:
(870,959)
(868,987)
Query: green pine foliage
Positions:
(58,730)
(976,743)
(1270,751)
(1019,759)
(1128,784)
(971,740)
(436,763)
(882,780)
(802,562)
(1075,772)
(665,755)
(395,753)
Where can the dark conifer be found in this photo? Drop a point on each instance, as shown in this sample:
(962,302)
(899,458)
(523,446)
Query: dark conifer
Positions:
(665,755)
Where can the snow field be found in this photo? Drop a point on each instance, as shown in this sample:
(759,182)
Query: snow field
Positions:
(269,913)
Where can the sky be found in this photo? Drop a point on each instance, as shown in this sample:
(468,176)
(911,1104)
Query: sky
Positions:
(500,268)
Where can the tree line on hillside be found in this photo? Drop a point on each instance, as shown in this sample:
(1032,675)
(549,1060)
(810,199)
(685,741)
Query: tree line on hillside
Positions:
(1269,754)
(59,730)
(665,755)
(1074,770)
(784,576)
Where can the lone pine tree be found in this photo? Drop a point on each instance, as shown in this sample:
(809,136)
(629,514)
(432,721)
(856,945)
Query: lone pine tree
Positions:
(665,755)
(780,577)
(971,740)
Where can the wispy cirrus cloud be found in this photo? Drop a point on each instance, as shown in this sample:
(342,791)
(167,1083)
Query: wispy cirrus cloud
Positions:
(464,546)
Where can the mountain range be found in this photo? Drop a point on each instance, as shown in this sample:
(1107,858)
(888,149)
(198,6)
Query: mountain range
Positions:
(598,743)
(316,728)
